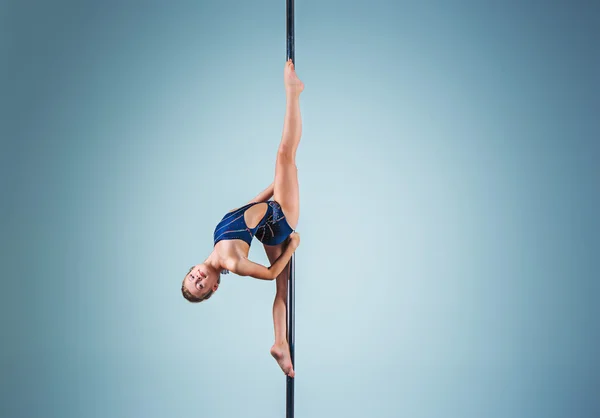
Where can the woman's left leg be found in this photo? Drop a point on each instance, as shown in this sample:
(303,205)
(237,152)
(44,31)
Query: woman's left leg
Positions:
(285,186)
(281,349)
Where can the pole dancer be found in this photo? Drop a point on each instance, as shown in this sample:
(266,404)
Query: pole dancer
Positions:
(272,222)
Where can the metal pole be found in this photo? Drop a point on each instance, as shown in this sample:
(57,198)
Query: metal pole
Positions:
(290,331)
(289,12)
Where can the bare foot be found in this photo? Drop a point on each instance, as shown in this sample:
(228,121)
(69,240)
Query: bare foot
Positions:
(293,85)
(281,353)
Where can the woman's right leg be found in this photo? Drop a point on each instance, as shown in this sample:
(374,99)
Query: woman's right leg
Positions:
(280,349)
(286,190)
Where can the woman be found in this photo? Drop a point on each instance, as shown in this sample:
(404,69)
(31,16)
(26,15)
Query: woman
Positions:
(271,222)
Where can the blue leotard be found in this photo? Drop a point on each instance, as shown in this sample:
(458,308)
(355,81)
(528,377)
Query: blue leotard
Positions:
(272,229)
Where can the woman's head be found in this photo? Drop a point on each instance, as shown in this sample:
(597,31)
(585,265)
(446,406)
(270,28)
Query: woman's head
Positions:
(200,282)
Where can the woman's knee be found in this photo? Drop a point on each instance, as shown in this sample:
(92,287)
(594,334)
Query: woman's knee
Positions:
(282,284)
(286,154)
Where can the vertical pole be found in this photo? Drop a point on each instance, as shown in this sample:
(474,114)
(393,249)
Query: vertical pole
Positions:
(290,331)
(289,12)
(289,403)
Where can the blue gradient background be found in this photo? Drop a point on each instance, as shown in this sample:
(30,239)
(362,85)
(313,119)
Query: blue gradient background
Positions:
(450,191)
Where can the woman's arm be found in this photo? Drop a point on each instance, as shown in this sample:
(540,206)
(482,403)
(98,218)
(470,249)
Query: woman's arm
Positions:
(245,267)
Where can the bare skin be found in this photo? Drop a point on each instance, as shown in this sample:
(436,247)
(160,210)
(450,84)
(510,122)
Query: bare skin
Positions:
(233,254)
(280,349)
(287,191)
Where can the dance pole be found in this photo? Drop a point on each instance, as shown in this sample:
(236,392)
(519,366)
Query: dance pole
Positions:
(289,11)
(289,401)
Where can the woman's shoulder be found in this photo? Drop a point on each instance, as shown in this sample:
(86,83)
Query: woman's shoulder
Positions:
(229,264)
